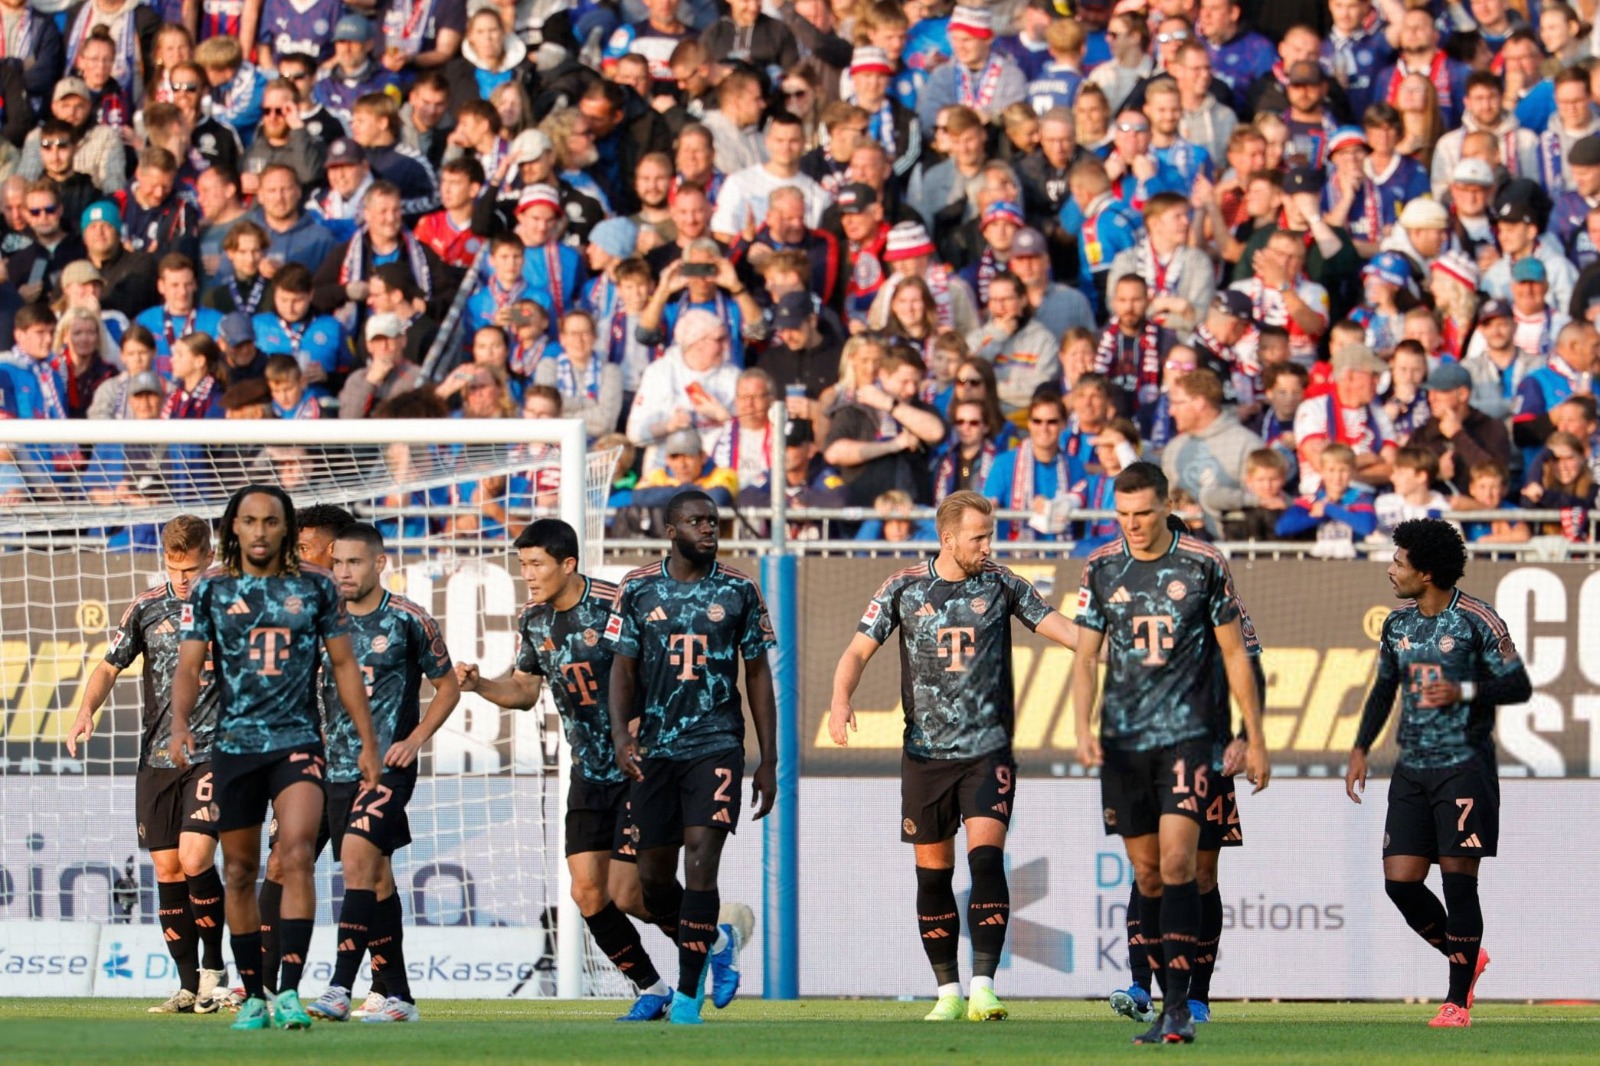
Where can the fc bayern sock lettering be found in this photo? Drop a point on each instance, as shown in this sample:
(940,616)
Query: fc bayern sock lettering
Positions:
(939,923)
(1138,952)
(1420,908)
(1463,933)
(355,930)
(988,909)
(1205,951)
(206,903)
(388,950)
(270,901)
(295,938)
(1180,930)
(619,939)
(697,931)
(247,960)
(177,927)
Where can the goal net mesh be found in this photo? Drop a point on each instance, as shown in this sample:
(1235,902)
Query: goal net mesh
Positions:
(79,536)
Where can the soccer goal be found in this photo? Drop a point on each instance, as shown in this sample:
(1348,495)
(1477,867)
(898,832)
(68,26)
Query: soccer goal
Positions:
(81,507)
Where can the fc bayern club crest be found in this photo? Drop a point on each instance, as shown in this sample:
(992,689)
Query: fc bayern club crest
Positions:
(380,644)
(716,612)
(1177,590)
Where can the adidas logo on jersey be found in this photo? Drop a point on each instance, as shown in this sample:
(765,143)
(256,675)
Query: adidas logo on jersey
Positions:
(926,611)
(657,615)
(722,816)
(1472,841)
(239,607)
(1190,804)
(1121,595)
(362,823)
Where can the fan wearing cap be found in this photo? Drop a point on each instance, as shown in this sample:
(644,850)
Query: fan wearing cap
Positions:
(746,35)
(448,231)
(1179,276)
(909,252)
(387,373)
(1226,343)
(1105,226)
(1056,307)
(353,72)
(1458,435)
(1485,111)
(1421,234)
(1240,55)
(1311,116)
(889,122)
(1347,415)
(241,358)
(1420,54)
(1388,291)
(1569,222)
(121,475)
(1518,230)
(685,465)
(99,152)
(980,77)
(861,217)
(1350,198)
(337,205)
(1471,223)
(998,224)
(744,195)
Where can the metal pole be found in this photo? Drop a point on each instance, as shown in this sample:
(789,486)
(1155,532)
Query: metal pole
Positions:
(571,933)
(780,839)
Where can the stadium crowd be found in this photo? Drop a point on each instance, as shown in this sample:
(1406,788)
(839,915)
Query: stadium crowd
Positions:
(1334,265)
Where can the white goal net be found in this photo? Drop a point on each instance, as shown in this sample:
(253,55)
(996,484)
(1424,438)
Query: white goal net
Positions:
(81,506)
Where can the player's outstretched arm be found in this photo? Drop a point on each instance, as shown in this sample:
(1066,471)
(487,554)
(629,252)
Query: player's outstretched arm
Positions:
(764,715)
(516,691)
(1242,682)
(846,676)
(446,694)
(624,690)
(1086,694)
(185,694)
(353,695)
(95,691)
(1059,628)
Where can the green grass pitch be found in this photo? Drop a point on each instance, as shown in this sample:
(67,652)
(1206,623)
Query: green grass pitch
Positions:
(831,1032)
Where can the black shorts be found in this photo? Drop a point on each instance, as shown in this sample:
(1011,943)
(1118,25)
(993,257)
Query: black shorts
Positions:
(676,794)
(1138,787)
(376,815)
(170,802)
(599,818)
(1221,828)
(937,795)
(246,784)
(1454,811)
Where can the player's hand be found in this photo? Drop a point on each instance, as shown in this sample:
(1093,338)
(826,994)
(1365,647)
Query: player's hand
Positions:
(371,769)
(82,726)
(467,676)
(402,753)
(1089,753)
(1440,694)
(627,753)
(763,789)
(180,746)
(1355,775)
(1233,756)
(841,723)
(1257,766)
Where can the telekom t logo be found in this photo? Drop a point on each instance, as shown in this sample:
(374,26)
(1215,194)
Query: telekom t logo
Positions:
(269,646)
(1153,636)
(580,682)
(956,643)
(688,651)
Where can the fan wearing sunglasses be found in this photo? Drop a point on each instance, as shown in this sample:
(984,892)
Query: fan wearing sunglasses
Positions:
(58,144)
(37,268)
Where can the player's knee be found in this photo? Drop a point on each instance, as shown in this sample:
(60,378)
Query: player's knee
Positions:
(239,872)
(630,900)
(987,863)
(588,895)
(296,857)
(167,865)
(659,895)
(1177,868)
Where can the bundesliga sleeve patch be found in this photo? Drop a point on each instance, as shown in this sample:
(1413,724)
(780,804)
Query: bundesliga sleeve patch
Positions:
(1085,597)
(613,627)
(186,616)
(873,611)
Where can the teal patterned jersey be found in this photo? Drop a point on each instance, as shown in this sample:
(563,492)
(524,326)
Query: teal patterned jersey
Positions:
(566,648)
(149,628)
(689,639)
(265,635)
(1159,618)
(397,644)
(1467,641)
(956,686)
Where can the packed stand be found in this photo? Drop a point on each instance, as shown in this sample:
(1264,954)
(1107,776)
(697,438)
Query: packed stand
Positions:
(1334,265)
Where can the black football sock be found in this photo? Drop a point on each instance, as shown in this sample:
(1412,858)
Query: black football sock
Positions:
(1150,928)
(1180,931)
(379,985)
(177,926)
(697,931)
(247,960)
(355,930)
(271,899)
(619,939)
(664,905)
(1205,951)
(1463,933)
(205,902)
(939,923)
(988,909)
(1138,954)
(295,939)
(388,950)
(1420,908)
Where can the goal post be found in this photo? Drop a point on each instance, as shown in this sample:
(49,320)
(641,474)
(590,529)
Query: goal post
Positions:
(449,495)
